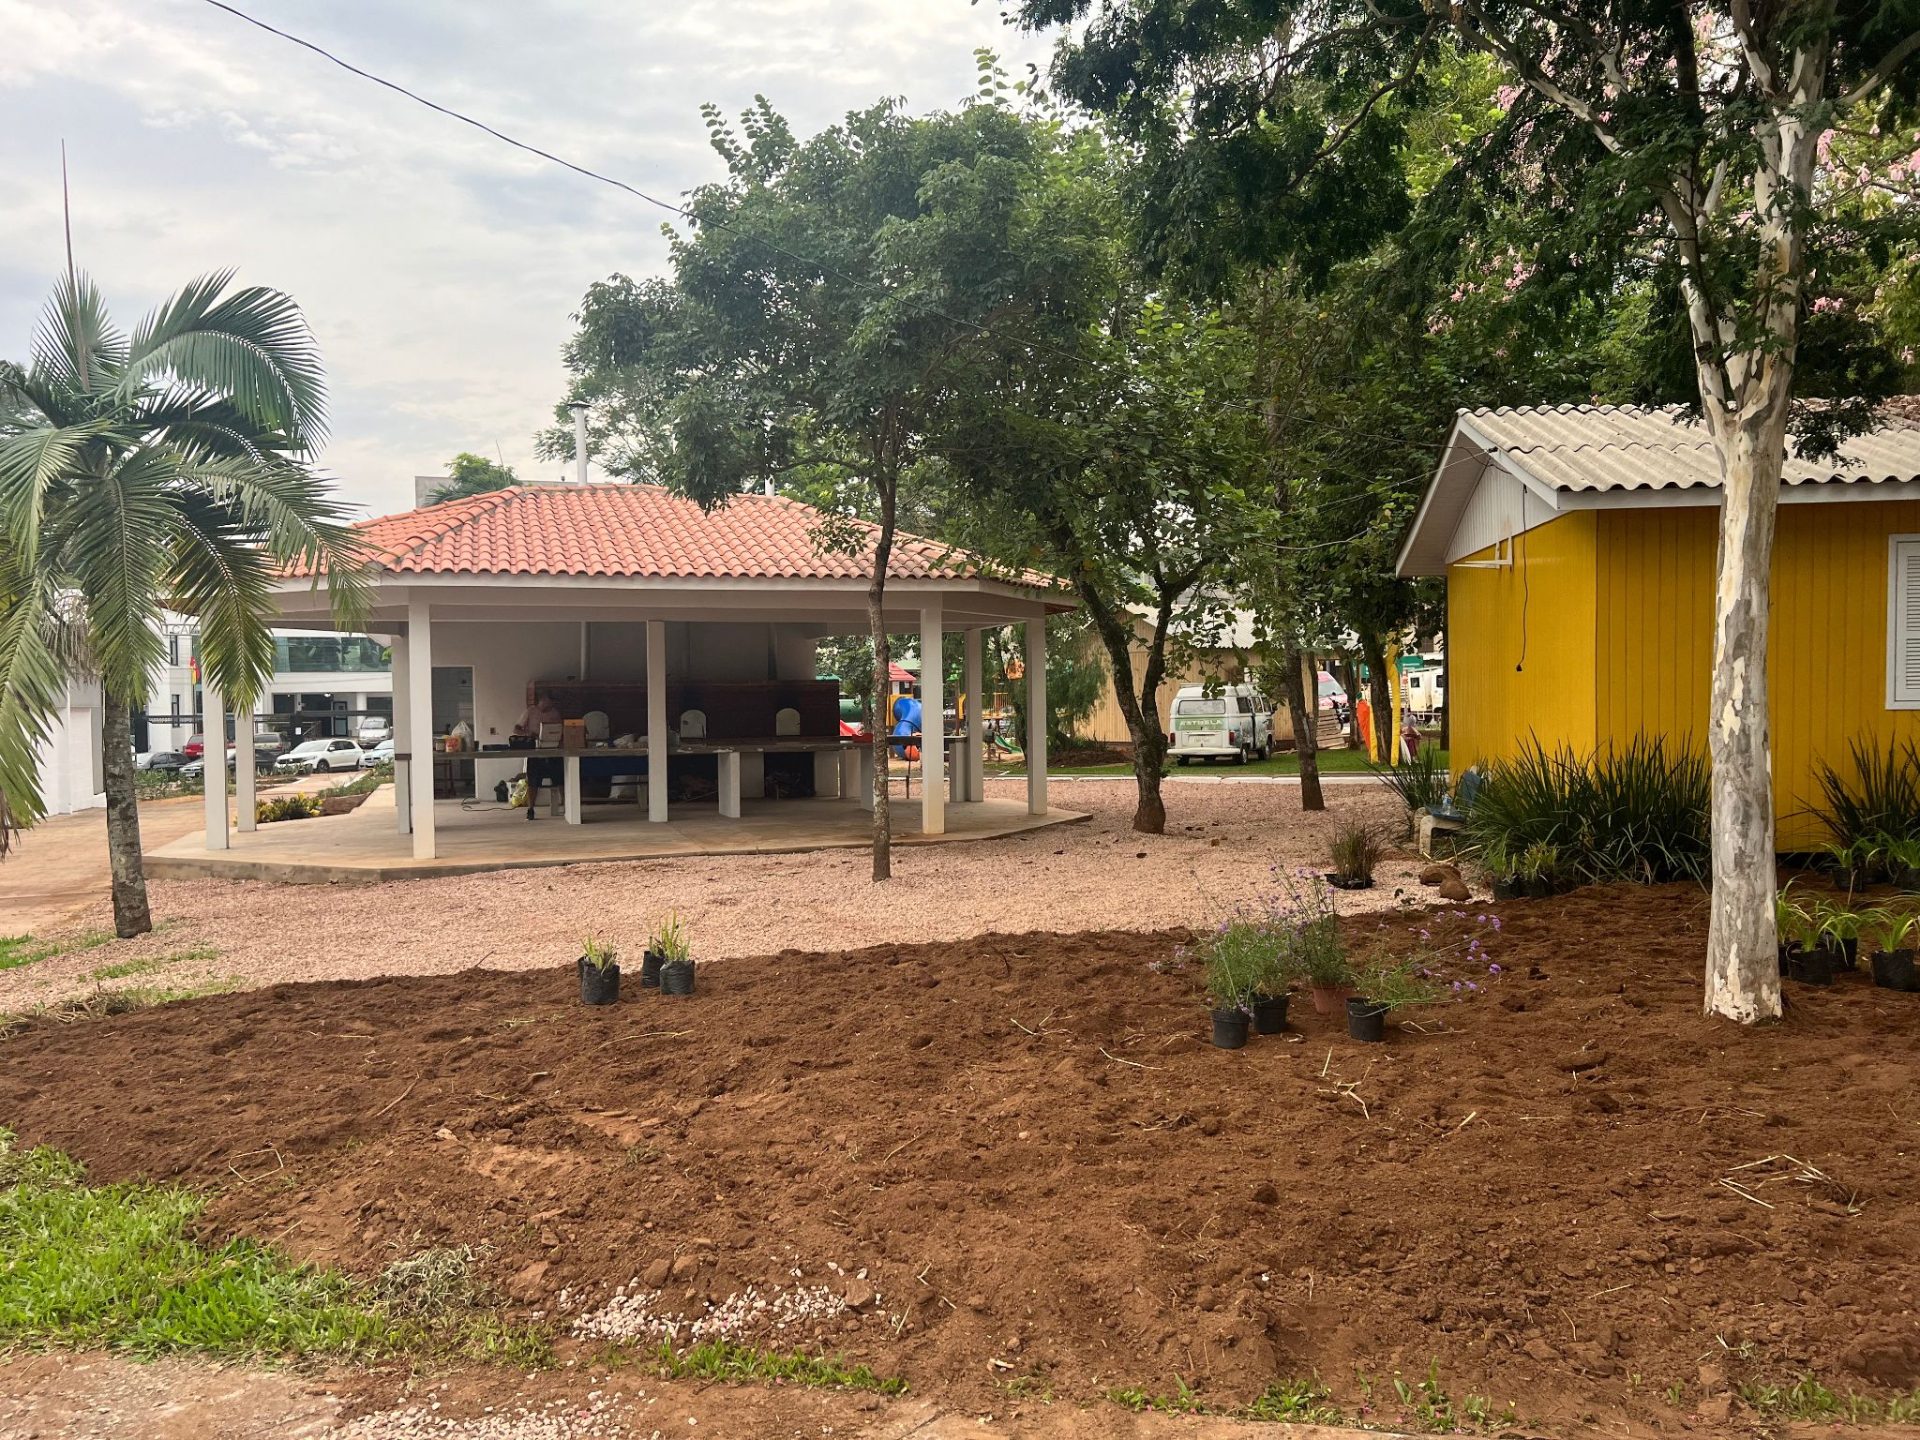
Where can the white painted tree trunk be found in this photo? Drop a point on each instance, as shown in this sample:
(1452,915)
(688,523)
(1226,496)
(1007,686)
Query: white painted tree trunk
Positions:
(1743,975)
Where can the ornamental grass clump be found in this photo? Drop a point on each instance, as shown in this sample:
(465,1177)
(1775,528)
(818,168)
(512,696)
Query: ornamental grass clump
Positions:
(1638,814)
(1421,783)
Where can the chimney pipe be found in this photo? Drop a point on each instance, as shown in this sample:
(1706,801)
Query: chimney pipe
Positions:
(579,408)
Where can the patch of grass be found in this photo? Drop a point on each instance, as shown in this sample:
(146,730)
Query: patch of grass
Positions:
(1808,1399)
(1332,762)
(18,950)
(154,963)
(116,1267)
(1297,1402)
(724,1360)
(1427,1404)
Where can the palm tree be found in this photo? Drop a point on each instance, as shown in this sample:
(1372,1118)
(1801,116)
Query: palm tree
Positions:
(166,470)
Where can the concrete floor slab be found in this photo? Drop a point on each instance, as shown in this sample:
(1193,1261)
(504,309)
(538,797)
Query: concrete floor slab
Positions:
(472,837)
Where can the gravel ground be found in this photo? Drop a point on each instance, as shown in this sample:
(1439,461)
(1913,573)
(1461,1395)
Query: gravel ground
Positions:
(1222,845)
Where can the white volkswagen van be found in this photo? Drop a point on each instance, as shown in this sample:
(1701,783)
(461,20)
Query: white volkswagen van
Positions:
(1226,722)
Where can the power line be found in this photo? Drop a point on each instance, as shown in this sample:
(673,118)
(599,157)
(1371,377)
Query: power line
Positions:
(587,172)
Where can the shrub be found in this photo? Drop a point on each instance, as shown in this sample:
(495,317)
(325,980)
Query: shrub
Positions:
(1421,783)
(1637,814)
(1354,851)
(286,807)
(1242,959)
(1310,929)
(1873,814)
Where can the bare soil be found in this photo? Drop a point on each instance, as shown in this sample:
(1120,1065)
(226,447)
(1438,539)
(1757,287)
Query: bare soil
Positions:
(1011,1164)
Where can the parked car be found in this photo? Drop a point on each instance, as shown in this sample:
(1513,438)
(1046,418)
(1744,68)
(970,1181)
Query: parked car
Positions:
(196,746)
(372,729)
(337,753)
(381,754)
(1226,722)
(165,762)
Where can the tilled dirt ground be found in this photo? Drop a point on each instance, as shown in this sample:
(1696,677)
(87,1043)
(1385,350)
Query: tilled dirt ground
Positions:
(1010,1165)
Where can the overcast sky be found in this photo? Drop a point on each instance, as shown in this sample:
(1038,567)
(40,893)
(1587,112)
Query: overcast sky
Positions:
(437,266)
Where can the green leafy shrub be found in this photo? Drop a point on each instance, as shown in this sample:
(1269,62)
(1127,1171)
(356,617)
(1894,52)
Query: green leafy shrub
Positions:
(286,807)
(1873,814)
(1637,814)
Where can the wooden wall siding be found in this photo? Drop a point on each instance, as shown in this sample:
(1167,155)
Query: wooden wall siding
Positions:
(1827,648)
(1542,608)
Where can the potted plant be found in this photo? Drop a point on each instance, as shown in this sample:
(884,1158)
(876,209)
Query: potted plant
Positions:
(1533,874)
(650,963)
(1323,960)
(1801,957)
(1229,988)
(1270,969)
(676,963)
(1839,933)
(1354,851)
(599,972)
(1893,967)
(1385,985)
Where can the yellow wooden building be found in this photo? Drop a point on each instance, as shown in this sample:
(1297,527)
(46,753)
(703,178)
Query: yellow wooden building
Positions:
(1578,546)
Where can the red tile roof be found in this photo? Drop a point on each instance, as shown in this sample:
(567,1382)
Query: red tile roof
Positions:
(642,531)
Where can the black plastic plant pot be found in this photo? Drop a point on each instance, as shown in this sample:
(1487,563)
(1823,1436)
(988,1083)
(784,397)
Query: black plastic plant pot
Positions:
(1366,1019)
(1505,887)
(1811,967)
(1349,882)
(1845,953)
(1894,970)
(650,964)
(1229,1029)
(676,977)
(599,987)
(1269,1014)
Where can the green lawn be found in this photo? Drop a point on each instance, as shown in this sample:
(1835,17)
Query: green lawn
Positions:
(1332,762)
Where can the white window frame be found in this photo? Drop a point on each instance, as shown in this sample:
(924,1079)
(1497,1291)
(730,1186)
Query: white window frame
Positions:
(1895,701)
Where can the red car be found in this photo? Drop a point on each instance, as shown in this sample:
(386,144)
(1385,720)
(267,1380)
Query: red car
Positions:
(195,747)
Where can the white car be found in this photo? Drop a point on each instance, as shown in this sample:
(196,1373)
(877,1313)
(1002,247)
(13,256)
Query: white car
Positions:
(372,729)
(335,753)
(1221,722)
(381,754)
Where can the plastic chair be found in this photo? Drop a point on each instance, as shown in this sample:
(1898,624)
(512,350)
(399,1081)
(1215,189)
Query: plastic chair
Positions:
(693,724)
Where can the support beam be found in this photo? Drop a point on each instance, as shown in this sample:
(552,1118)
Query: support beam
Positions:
(974,788)
(420,723)
(933,726)
(402,735)
(243,762)
(657,721)
(213,760)
(1036,659)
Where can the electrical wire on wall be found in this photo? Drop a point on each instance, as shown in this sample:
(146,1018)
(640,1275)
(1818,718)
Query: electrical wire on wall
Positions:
(1526,587)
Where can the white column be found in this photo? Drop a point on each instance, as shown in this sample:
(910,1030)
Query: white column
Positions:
(402,734)
(657,721)
(420,723)
(213,760)
(243,800)
(970,683)
(933,726)
(1036,641)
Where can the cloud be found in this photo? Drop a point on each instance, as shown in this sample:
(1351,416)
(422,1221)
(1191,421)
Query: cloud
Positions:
(437,266)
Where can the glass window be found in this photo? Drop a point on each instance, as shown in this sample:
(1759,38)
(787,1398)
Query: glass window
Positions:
(356,654)
(1201,707)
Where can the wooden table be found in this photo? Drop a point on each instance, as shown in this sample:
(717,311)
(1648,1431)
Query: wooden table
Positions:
(838,765)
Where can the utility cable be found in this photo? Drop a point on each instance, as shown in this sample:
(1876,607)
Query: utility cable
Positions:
(718,223)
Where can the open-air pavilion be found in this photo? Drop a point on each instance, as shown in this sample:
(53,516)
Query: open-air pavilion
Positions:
(679,646)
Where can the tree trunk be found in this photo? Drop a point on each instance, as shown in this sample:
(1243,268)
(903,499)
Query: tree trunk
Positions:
(1350,682)
(1306,721)
(1141,708)
(1379,695)
(131,916)
(1743,976)
(882,668)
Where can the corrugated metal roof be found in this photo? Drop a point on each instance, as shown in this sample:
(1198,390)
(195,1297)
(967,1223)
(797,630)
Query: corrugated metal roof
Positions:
(1630,447)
